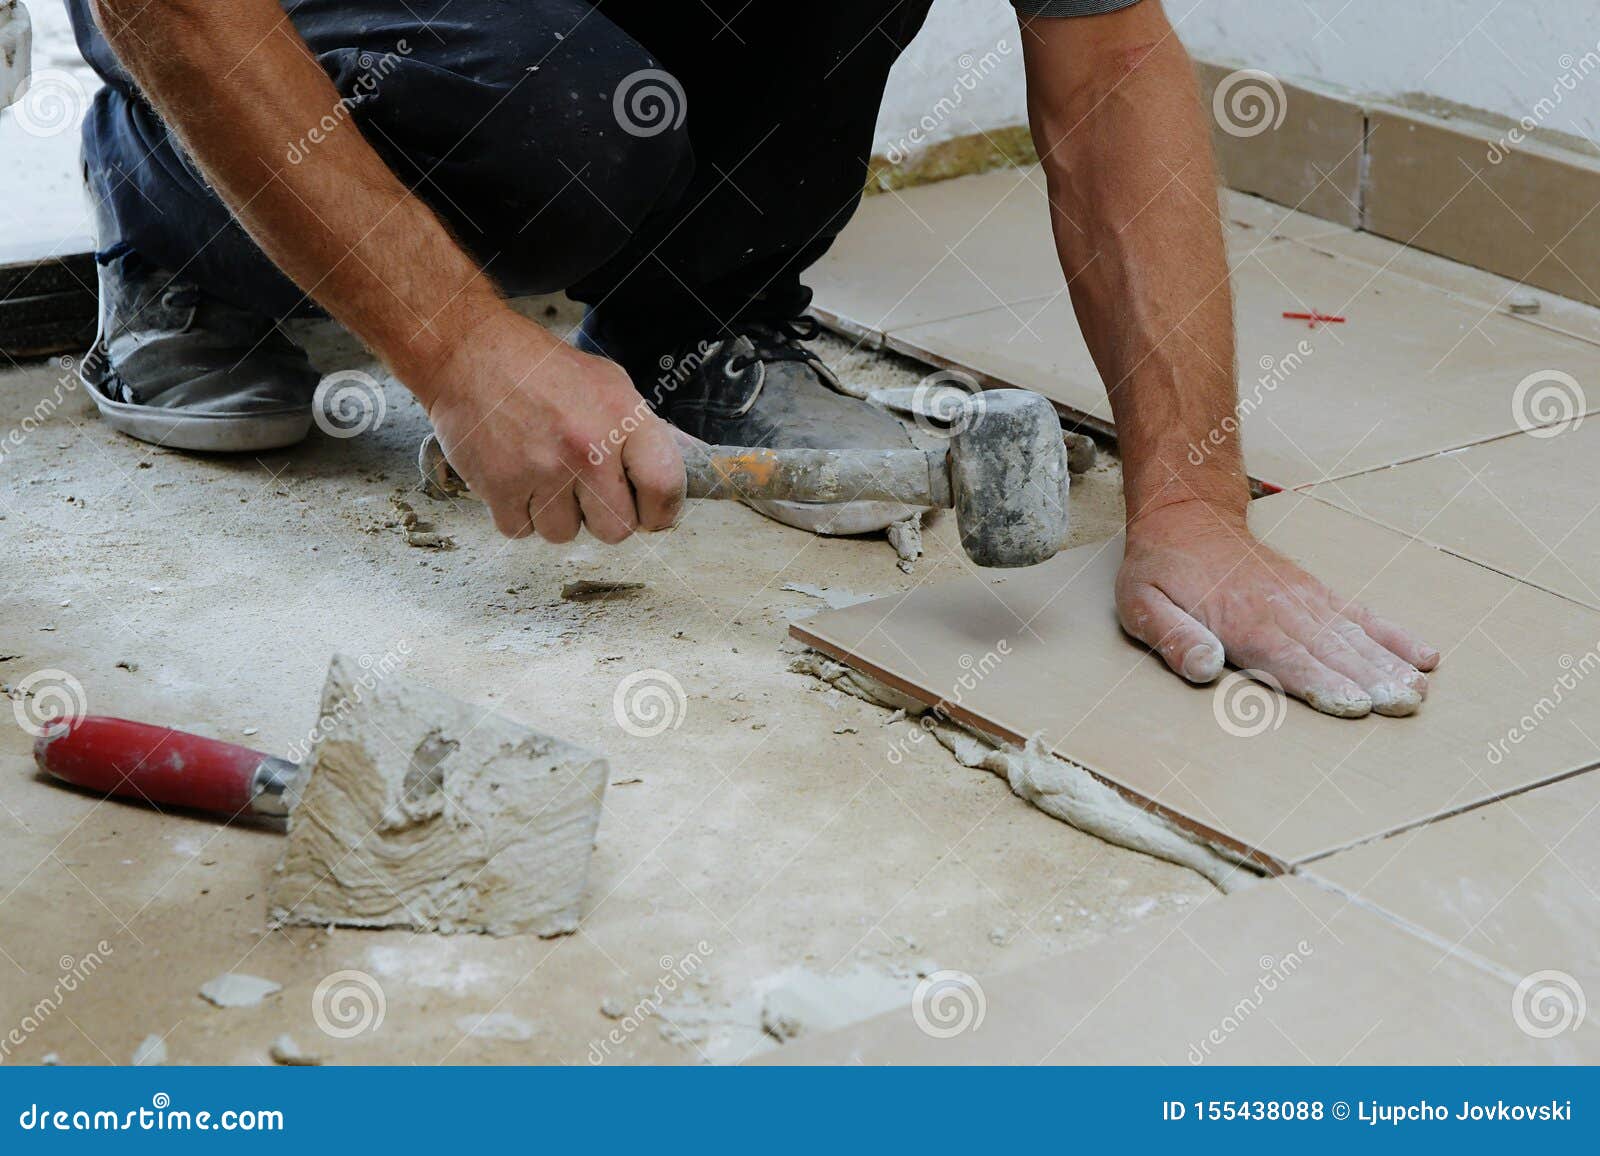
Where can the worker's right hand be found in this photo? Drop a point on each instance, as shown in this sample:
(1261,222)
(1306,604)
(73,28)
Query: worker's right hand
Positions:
(551,438)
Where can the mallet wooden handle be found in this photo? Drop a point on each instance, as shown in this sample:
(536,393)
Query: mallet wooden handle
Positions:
(911,477)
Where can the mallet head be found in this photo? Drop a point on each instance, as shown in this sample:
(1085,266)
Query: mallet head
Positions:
(1008,476)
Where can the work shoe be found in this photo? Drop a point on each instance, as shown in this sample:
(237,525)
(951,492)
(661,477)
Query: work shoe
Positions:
(177,367)
(763,387)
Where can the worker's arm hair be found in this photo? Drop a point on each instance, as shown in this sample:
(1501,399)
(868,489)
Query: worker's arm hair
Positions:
(1126,155)
(244,94)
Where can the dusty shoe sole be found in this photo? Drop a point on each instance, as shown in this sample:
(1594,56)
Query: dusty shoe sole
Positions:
(836,518)
(208,432)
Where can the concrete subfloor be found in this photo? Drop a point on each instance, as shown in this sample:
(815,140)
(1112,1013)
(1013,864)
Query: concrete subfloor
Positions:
(769,841)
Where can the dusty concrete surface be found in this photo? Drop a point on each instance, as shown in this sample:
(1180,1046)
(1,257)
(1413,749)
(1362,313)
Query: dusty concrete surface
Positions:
(765,832)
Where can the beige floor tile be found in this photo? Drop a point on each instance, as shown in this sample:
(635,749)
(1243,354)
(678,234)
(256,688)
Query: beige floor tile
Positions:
(1039,650)
(1285,973)
(1526,505)
(1516,883)
(1412,371)
(938,251)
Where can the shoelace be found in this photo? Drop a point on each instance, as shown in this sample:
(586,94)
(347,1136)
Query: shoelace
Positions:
(777,340)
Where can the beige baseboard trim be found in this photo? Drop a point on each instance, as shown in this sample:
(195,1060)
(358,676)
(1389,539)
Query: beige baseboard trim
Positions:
(1476,188)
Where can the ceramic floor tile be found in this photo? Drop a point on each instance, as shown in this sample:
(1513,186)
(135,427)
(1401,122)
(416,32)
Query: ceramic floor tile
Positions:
(1412,371)
(1285,973)
(1526,505)
(939,250)
(1039,651)
(1516,883)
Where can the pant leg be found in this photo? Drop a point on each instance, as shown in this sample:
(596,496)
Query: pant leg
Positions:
(781,102)
(498,115)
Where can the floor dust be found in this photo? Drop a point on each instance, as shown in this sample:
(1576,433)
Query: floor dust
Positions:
(771,823)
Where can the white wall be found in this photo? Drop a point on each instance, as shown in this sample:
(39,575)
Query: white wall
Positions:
(1505,56)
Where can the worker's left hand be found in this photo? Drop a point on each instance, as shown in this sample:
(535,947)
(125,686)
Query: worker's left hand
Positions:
(1197,587)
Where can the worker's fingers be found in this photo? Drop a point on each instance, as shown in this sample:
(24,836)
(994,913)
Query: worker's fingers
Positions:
(511,517)
(654,465)
(1395,639)
(1333,643)
(1403,687)
(607,502)
(1189,648)
(556,515)
(1303,675)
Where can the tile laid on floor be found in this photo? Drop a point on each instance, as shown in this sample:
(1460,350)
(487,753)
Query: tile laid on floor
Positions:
(1285,973)
(1525,505)
(1039,651)
(1516,882)
(1412,371)
(940,250)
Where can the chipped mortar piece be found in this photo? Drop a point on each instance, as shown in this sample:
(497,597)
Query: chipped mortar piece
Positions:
(232,989)
(1057,787)
(286,1051)
(906,538)
(420,810)
(151,1052)
(589,590)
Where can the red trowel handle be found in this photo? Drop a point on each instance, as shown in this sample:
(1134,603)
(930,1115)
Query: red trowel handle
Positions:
(114,756)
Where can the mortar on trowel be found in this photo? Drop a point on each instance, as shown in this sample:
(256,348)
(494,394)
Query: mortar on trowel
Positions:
(414,809)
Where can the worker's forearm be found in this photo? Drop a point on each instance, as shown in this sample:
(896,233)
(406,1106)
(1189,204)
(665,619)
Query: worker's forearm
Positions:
(1134,208)
(240,87)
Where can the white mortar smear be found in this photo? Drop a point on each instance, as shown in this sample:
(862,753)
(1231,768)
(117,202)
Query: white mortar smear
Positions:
(1057,787)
